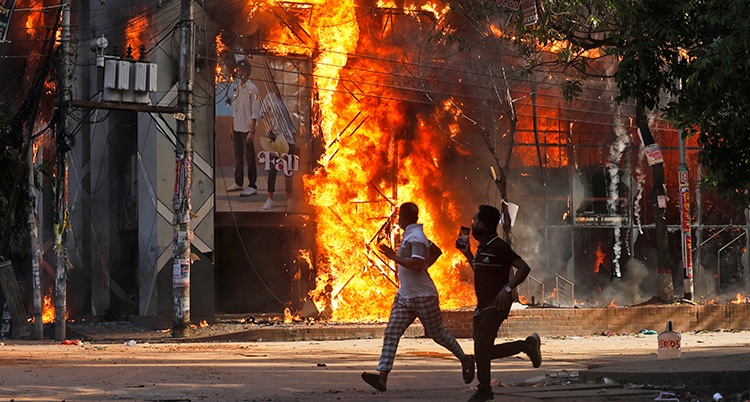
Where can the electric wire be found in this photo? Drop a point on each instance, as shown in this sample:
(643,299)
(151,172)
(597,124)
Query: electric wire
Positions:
(406,64)
(468,108)
(416,90)
(430,103)
(474,98)
(372,57)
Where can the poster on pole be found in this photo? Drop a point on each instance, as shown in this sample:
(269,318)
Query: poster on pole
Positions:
(6,13)
(180,272)
(653,154)
(687,236)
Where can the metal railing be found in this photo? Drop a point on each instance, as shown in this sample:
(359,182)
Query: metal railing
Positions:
(565,292)
(718,261)
(534,291)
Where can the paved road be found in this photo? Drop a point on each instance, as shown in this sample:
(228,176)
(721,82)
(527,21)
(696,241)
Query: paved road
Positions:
(310,371)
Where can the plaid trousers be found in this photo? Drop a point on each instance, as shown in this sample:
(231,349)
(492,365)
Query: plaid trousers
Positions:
(403,313)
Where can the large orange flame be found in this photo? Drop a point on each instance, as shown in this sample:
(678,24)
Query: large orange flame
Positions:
(379,151)
(367,167)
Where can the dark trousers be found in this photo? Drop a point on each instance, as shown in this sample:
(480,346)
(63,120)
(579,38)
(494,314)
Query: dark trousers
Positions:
(486,325)
(244,151)
(288,179)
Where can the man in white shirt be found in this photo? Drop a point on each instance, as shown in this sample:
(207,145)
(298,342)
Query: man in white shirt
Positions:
(416,297)
(245,113)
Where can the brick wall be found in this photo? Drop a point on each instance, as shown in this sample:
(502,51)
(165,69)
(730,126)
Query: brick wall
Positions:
(587,321)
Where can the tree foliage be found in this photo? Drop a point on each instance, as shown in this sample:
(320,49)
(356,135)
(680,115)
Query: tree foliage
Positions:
(714,102)
(693,53)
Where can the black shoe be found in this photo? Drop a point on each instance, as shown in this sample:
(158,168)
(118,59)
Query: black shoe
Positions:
(468,370)
(481,396)
(374,381)
(535,349)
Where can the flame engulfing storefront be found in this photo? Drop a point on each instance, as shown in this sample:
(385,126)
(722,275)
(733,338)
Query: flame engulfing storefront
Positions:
(390,101)
(400,115)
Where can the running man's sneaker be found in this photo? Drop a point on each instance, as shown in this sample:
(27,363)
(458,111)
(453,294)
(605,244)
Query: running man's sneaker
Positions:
(535,349)
(374,381)
(268,205)
(468,369)
(248,192)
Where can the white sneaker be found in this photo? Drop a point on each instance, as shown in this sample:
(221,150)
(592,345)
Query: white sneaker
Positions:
(268,205)
(248,192)
(234,187)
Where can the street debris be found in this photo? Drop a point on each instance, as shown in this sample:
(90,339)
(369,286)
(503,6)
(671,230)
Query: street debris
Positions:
(609,381)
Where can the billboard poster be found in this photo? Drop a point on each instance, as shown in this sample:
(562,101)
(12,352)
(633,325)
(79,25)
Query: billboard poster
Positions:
(6,13)
(263,174)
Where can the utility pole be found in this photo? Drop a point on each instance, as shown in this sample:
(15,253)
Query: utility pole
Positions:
(61,174)
(687,234)
(658,196)
(36,253)
(183,177)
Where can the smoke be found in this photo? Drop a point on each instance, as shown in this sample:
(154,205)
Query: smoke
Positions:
(640,177)
(613,168)
(634,287)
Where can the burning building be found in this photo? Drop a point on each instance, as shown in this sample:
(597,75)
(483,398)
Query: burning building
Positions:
(381,110)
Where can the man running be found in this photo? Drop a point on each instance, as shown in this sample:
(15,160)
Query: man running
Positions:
(491,264)
(416,297)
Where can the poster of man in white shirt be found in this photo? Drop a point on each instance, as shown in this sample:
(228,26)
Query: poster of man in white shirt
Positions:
(265,107)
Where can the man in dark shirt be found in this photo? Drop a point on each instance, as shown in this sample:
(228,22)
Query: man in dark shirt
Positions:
(491,264)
